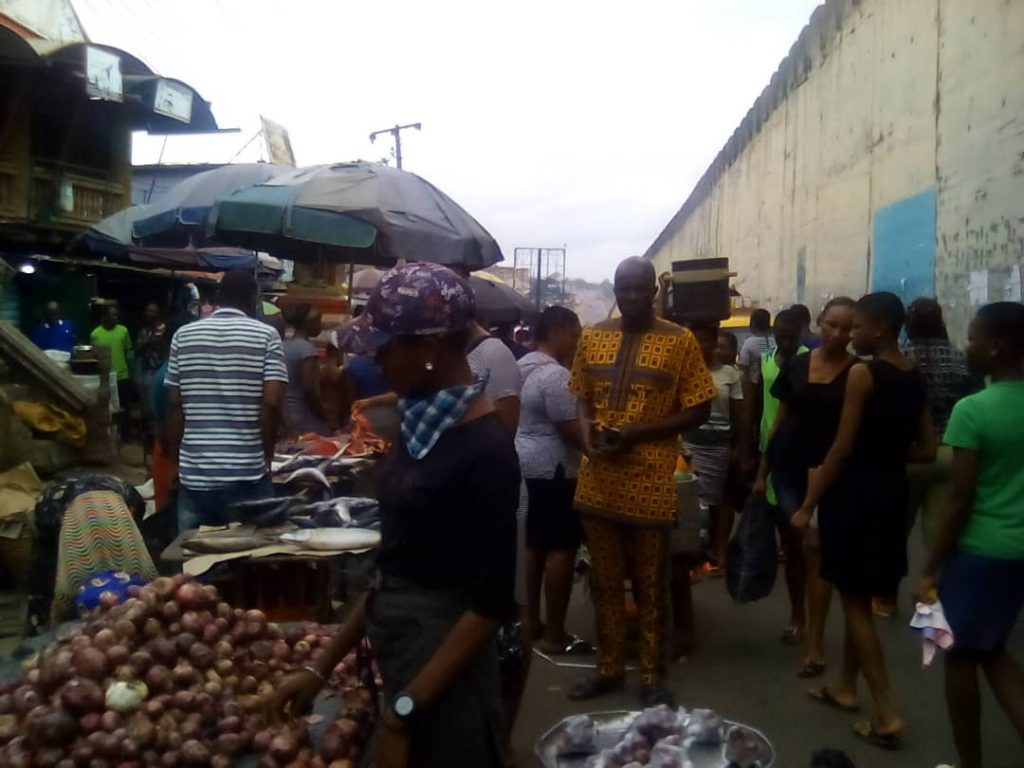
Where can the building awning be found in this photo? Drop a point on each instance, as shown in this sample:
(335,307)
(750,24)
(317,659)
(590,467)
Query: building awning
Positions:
(155,104)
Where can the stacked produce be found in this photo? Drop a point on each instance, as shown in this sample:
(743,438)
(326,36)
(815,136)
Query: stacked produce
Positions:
(173,677)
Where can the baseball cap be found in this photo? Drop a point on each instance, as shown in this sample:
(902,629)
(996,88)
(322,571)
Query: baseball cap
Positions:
(415,299)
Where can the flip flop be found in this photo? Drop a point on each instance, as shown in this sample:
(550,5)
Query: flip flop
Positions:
(825,696)
(811,669)
(888,741)
(792,636)
(574,646)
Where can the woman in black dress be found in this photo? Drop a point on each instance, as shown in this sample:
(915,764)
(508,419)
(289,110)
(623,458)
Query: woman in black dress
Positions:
(448,497)
(810,392)
(860,492)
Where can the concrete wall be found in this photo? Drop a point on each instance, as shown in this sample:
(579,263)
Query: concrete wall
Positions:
(887,153)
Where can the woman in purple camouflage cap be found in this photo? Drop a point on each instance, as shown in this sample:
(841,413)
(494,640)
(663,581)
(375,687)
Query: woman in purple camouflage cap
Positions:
(448,500)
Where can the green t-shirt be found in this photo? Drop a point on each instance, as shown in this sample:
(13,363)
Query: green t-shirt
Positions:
(991,423)
(120,343)
(769,373)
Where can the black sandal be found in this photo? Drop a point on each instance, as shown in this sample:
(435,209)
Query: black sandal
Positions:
(594,687)
(887,741)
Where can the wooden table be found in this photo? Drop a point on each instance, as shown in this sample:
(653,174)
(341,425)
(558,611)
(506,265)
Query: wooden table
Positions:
(287,587)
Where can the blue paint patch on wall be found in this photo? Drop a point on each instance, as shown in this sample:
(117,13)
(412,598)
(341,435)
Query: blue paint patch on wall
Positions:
(903,247)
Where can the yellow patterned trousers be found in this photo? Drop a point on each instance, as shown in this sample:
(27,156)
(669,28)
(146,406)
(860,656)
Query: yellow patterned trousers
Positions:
(614,550)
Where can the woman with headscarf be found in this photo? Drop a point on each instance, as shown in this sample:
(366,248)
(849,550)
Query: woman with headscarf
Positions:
(448,498)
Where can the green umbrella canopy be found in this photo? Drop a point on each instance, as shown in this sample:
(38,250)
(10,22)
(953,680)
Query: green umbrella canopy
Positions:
(364,212)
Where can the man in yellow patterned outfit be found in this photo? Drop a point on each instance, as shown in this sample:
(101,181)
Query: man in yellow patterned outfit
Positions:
(641,382)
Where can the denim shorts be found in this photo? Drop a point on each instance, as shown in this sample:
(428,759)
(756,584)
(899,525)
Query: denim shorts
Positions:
(981,597)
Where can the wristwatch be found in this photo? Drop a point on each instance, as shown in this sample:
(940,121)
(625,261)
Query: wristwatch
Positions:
(404,706)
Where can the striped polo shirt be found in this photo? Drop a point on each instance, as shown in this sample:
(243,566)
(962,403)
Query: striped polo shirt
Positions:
(219,365)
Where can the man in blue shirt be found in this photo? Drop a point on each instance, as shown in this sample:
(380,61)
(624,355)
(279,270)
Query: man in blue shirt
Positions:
(54,332)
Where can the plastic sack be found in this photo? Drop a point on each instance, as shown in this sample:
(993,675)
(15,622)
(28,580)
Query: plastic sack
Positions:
(704,727)
(603,759)
(656,723)
(114,582)
(743,749)
(579,737)
(668,755)
(753,557)
(634,747)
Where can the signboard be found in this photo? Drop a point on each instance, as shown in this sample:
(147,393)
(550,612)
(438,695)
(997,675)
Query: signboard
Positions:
(103,75)
(174,100)
(279,145)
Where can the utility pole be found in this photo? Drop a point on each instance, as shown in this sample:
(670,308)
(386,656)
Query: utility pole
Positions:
(396,132)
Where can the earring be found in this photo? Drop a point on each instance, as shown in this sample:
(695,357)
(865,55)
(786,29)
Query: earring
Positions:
(428,365)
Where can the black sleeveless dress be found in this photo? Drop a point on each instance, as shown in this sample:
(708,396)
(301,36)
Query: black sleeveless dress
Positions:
(863,517)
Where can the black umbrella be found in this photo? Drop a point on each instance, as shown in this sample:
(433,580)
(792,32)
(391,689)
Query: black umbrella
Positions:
(363,212)
(497,304)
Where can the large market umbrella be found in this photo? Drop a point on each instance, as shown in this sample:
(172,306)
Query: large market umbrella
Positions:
(368,213)
(171,229)
(497,304)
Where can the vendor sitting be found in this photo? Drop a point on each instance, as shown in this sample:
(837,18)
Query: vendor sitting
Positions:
(448,500)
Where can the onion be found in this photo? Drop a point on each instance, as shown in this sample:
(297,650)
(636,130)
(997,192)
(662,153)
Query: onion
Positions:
(125,629)
(25,699)
(191,596)
(169,760)
(194,752)
(223,611)
(163,650)
(184,700)
(333,745)
(282,651)
(248,685)
(149,599)
(227,743)
(6,704)
(261,740)
(213,689)
(171,611)
(50,728)
(47,757)
(154,708)
(190,622)
(158,678)
(221,761)
(110,721)
(140,661)
(152,628)
(184,674)
(104,639)
(81,696)
(284,747)
(15,754)
(109,600)
(164,587)
(141,730)
(262,650)
(210,633)
(201,655)
(90,663)
(273,632)
(184,642)
(117,655)
(82,753)
(258,670)
(302,649)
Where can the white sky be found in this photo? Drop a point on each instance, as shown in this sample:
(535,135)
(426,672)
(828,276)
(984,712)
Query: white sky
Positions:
(554,122)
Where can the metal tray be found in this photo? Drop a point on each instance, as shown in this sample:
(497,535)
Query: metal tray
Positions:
(612,726)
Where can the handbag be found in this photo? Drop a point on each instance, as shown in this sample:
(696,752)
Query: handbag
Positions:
(753,558)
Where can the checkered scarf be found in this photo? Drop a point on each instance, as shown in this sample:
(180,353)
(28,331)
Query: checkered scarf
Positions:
(425,420)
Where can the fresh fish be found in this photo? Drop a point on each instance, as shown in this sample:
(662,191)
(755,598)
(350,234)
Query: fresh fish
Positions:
(334,539)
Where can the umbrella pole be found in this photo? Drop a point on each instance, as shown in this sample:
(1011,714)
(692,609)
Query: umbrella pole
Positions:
(351,277)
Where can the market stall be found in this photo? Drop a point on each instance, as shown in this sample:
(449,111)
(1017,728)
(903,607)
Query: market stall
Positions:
(173,675)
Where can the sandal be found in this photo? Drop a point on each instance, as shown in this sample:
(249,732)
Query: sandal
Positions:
(594,687)
(811,669)
(889,741)
(792,635)
(825,696)
(573,645)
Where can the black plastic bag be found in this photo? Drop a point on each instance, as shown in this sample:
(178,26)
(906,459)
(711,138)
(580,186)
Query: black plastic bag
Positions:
(753,557)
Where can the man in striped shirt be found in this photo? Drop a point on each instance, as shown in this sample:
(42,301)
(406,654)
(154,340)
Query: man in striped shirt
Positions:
(226,380)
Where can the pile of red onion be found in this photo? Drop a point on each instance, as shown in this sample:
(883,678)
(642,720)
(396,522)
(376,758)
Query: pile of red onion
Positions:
(173,677)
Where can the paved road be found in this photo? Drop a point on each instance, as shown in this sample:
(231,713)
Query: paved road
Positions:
(742,670)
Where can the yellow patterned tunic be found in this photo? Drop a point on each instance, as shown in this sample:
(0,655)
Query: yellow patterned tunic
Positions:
(630,379)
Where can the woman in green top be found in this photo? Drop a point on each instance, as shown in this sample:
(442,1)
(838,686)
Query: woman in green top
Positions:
(978,555)
(111,334)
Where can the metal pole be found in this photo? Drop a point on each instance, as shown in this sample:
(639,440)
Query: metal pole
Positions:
(396,132)
(398,146)
(539,275)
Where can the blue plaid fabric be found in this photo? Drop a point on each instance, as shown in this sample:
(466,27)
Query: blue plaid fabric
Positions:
(425,420)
